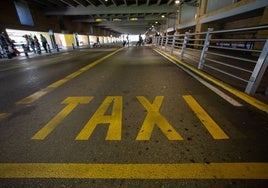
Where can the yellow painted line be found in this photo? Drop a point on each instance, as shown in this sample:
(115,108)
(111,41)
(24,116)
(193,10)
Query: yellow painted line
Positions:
(4,115)
(73,75)
(136,171)
(100,117)
(42,92)
(212,127)
(33,97)
(155,118)
(245,97)
(59,83)
(54,122)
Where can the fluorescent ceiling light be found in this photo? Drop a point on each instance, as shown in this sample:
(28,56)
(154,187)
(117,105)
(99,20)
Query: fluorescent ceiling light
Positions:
(133,19)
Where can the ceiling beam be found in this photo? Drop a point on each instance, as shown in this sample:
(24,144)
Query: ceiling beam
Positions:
(69,2)
(43,4)
(125,18)
(169,2)
(112,10)
(93,2)
(102,2)
(82,2)
(114,2)
(58,3)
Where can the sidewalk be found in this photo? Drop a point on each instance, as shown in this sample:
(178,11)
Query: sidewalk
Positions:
(22,56)
(31,55)
(191,57)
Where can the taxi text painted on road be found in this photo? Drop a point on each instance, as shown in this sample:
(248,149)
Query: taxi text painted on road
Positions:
(114,120)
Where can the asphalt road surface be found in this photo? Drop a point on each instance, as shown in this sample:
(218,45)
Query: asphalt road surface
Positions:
(124,118)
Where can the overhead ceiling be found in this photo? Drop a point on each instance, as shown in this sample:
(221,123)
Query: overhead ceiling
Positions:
(121,16)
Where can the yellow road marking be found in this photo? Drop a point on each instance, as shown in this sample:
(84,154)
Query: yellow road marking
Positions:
(42,92)
(33,97)
(3,115)
(59,82)
(136,171)
(250,100)
(212,127)
(114,120)
(155,118)
(73,75)
(53,123)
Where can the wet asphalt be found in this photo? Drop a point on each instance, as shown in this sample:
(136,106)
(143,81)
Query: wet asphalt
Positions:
(127,75)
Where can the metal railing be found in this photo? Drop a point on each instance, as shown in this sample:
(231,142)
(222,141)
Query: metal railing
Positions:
(236,56)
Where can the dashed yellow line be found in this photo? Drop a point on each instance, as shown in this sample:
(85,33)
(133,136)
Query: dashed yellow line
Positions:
(59,82)
(136,171)
(212,127)
(4,115)
(35,96)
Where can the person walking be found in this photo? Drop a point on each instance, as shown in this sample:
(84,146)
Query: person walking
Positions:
(44,42)
(140,41)
(31,43)
(37,44)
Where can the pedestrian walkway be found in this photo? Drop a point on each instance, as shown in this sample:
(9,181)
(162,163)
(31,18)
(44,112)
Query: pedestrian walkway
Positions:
(22,57)
(191,57)
(31,54)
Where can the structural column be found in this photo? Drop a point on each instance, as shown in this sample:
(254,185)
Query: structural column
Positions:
(200,11)
(178,20)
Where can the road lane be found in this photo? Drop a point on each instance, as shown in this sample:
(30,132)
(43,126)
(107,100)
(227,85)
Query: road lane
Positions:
(132,92)
(20,79)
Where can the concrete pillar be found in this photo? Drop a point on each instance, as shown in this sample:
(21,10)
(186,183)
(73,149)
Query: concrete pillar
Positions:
(201,10)
(178,20)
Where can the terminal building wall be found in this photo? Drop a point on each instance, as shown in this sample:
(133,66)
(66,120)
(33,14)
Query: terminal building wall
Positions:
(9,19)
(217,15)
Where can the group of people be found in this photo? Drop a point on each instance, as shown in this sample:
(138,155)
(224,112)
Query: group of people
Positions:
(35,44)
(9,50)
(140,41)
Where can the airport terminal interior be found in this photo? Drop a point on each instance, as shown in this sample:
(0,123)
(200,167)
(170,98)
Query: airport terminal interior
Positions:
(134,93)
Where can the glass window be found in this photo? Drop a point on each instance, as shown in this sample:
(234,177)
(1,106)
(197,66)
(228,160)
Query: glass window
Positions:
(24,13)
